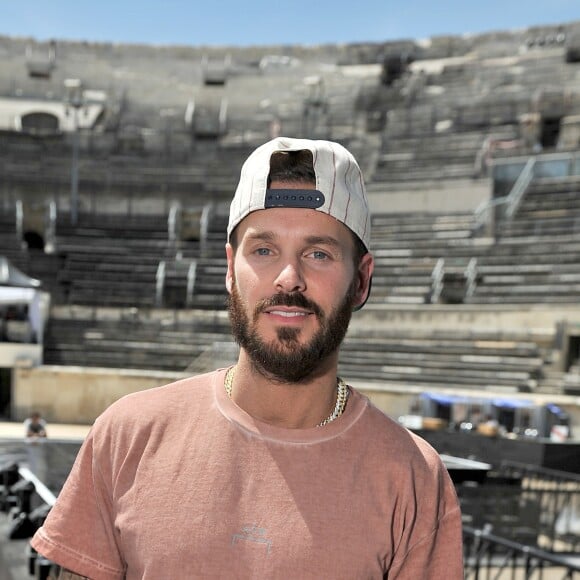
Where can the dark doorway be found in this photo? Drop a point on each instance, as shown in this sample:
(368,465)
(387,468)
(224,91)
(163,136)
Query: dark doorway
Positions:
(573,354)
(5,392)
(550,132)
(34,241)
(443,412)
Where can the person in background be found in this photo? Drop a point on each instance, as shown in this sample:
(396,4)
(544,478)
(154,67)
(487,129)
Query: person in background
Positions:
(274,467)
(35,426)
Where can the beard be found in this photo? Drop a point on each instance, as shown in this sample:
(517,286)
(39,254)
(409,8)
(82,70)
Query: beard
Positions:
(286,360)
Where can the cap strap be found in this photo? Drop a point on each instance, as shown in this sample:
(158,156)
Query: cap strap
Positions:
(304,198)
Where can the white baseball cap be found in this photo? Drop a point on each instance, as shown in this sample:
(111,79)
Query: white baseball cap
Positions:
(340,190)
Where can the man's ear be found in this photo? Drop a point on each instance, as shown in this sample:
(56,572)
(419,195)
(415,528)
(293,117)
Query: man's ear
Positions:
(364,275)
(230,272)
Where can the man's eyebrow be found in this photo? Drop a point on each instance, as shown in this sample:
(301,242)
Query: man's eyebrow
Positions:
(270,236)
(266,236)
(324,240)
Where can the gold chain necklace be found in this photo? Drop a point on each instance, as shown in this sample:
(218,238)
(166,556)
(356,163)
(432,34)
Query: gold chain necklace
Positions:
(341,395)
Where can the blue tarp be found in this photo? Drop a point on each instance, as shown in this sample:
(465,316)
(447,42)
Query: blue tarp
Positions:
(556,410)
(443,399)
(512,403)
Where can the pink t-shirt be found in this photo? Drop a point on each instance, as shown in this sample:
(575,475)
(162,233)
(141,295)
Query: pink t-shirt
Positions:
(179,482)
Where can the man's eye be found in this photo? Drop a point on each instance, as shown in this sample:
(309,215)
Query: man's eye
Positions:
(263,252)
(319,255)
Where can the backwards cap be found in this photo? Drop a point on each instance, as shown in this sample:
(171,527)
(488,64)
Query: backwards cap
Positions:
(340,190)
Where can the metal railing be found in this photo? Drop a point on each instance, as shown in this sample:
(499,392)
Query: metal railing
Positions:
(515,196)
(160,283)
(487,556)
(20,221)
(206,215)
(190,287)
(557,494)
(526,504)
(170,271)
(520,171)
(27,500)
(50,227)
(174,223)
(437,277)
(471,277)
(487,209)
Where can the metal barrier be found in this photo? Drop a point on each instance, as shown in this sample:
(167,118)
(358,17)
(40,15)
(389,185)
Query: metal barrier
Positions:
(557,494)
(526,504)
(27,501)
(489,556)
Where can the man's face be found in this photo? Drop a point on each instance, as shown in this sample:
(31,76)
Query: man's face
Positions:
(287,358)
(293,285)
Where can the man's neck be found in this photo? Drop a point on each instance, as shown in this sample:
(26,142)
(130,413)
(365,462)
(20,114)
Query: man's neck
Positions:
(290,405)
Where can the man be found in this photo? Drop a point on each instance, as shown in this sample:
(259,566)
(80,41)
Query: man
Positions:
(273,468)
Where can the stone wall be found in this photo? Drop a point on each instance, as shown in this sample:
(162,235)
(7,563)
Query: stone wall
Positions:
(440,196)
(77,395)
(533,320)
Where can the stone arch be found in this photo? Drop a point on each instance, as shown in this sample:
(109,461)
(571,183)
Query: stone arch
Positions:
(40,123)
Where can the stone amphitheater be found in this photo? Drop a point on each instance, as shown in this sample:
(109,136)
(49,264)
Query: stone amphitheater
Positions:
(117,163)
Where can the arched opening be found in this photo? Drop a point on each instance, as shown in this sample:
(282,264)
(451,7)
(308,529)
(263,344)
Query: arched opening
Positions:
(34,241)
(40,123)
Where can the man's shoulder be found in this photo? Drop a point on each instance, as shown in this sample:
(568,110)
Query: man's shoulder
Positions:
(172,396)
(392,437)
(375,418)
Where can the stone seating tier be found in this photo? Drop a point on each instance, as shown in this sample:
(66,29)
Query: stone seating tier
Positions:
(472,360)
(140,345)
(406,248)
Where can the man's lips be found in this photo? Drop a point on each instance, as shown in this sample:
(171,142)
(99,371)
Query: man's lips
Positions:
(288,306)
(287,313)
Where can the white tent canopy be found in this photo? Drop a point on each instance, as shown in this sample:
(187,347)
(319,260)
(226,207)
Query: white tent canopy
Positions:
(18,289)
(12,276)
(14,296)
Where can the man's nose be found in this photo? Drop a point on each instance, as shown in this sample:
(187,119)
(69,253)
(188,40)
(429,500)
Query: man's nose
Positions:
(290,278)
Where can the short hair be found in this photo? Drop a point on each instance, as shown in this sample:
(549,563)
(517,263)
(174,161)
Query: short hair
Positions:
(292,167)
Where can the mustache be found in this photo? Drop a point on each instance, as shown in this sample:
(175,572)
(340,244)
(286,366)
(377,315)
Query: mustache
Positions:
(288,299)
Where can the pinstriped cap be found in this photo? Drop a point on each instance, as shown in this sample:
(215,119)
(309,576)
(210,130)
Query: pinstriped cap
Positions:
(340,190)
